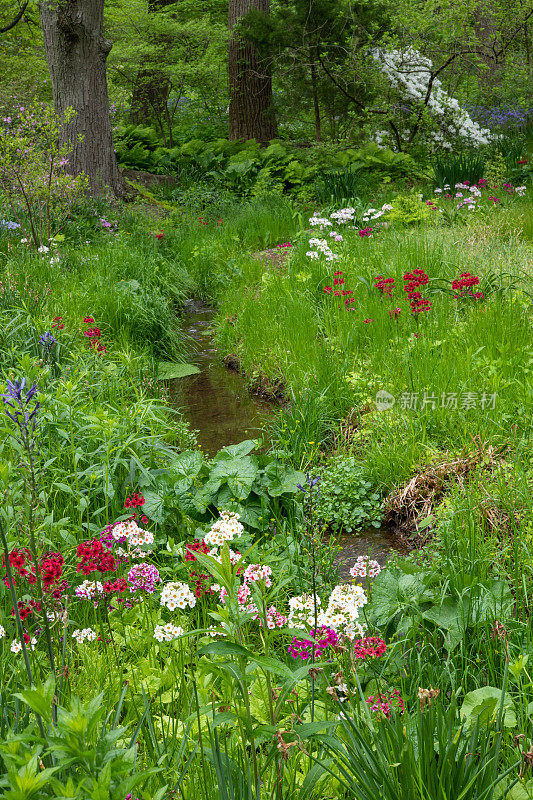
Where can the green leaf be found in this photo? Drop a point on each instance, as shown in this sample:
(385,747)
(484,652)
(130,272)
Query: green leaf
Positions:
(167,370)
(236,450)
(484,704)
(225,649)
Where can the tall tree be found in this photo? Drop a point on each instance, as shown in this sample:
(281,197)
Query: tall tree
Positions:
(251,111)
(76,53)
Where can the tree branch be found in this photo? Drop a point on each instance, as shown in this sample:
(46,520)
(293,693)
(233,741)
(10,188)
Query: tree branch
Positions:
(16,20)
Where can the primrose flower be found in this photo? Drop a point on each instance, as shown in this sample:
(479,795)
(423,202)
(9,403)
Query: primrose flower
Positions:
(143,577)
(224,529)
(364,567)
(255,572)
(84,635)
(89,589)
(177,595)
(168,632)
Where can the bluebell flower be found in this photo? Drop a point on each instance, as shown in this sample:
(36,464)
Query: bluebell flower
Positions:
(47,341)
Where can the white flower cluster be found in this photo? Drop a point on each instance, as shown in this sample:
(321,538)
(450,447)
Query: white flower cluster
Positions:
(343,216)
(168,632)
(177,595)
(520,190)
(374,213)
(319,222)
(336,236)
(224,529)
(2,632)
(16,646)
(409,72)
(341,613)
(323,247)
(89,589)
(130,532)
(86,634)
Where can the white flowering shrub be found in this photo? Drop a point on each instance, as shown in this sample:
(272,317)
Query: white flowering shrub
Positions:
(409,72)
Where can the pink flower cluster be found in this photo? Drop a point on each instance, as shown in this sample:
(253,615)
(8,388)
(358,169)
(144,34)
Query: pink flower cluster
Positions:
(365,566)
(383,704)
(256,572)
(365,232)
(303,648)
(369,647)
(143,577)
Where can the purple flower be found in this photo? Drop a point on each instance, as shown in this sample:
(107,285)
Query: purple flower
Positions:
(16,398)
(47,341)
(143,577)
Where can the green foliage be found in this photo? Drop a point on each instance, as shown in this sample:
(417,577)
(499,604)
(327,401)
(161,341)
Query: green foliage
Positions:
(458,167)
(86,750)
(236,480)
(347,500)
(408,210)
(244,168)
(33,180)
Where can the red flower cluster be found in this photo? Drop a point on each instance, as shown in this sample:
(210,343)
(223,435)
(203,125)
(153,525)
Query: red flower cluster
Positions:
(119,585)
(202,580)
(94,335)
(92,557)
(365,232)
(202,221)
(522,162)
(51,568)
(383,704)
(134,501)
(384,285)
(338,281)
(395,312)
(159,235)
(58,323)
(463,285)
(369,647)
(26,610)
(195,547)
(19,559)
(413,280)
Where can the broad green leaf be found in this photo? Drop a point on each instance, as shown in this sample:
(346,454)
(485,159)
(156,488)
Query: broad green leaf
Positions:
(483,704)
(167,370)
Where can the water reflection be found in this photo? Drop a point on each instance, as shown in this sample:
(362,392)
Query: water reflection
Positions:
(216,401)
(374,542)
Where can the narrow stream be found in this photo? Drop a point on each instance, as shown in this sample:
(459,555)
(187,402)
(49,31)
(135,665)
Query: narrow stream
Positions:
(218,405)
(216,401)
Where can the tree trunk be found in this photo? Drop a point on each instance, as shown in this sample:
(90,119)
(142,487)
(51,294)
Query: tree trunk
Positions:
(76,52)
(314,87)
(251,113)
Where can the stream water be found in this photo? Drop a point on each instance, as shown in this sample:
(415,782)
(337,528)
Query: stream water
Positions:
(216,401)
(218,405)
